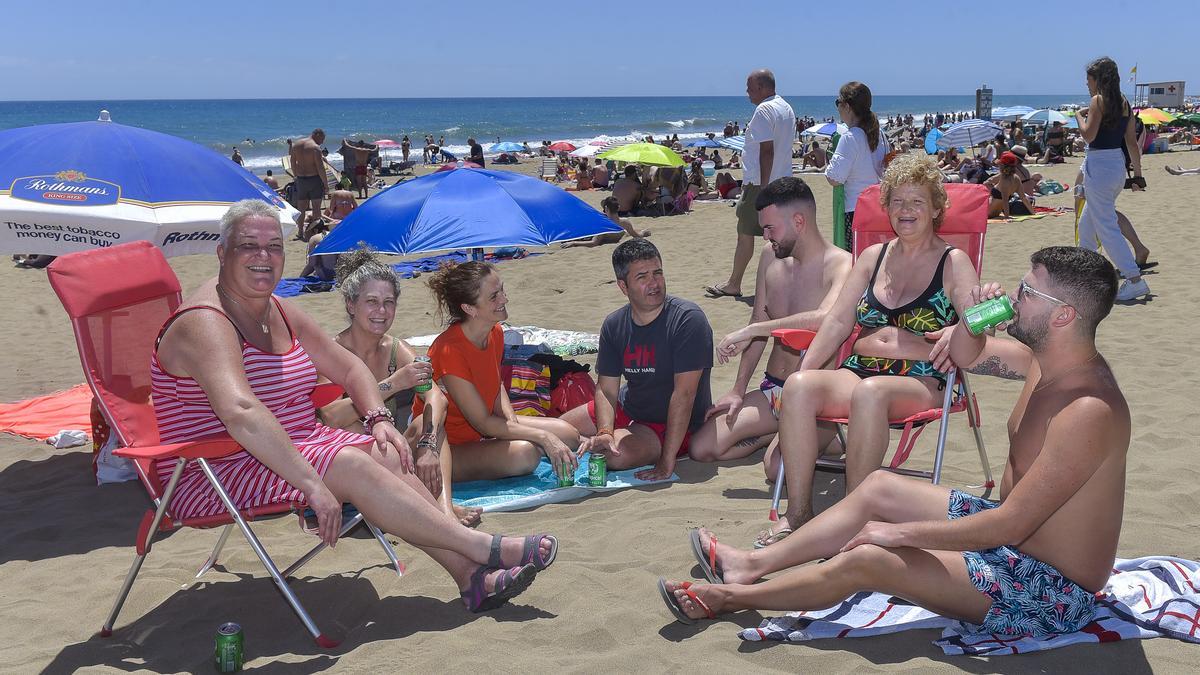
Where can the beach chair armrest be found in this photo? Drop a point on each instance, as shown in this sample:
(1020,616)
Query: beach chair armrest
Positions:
(325,393)
(794,338)
(209,448)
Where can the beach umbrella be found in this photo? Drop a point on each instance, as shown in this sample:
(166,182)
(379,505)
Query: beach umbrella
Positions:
(466,209)
(1155,116)
(561,146)
(1045,116)
(1190,118)
(506,146)
(702,143)
(460,164)
(1011,112)
(931,140)
(644,153)
(83,185)
(821,129)
(586,151)
(736,143)
(968,133)
(387,143)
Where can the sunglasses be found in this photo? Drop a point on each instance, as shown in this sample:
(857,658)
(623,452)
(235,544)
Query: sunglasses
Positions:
(837,102)
(1025,289)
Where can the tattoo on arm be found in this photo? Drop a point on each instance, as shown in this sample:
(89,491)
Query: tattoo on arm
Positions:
(993,366)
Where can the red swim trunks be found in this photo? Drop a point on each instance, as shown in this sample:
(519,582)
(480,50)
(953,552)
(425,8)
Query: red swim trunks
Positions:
(622,420)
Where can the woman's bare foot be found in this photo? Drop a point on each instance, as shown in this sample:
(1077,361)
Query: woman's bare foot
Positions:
(733,565)
(512,551)
(780,529)
(713,596)
(469,517)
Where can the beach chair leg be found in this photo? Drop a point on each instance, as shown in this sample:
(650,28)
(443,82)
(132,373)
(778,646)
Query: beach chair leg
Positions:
(212,558)
(143,548)
(841,436)
(943,427)
(251,539)
(312,552)
(387,548)
(988,481)
(774,515)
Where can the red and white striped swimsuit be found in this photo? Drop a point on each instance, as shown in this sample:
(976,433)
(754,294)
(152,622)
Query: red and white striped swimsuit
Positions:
(283,383)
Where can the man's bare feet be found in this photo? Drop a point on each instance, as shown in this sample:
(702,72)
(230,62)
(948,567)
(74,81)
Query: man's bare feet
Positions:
(734,566)
(468,517)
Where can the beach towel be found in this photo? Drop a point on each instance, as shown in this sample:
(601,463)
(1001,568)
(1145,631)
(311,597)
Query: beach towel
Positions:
(1145,598)
(541,487)
(44,416)
(1039,212)
(293,286)
(561,342)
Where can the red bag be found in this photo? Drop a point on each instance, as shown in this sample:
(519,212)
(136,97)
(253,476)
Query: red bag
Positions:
(573,390)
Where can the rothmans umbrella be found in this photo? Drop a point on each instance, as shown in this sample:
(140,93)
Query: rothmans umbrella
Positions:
(968,133)
(643,153)
(84,185)
(506,146)
(467,208)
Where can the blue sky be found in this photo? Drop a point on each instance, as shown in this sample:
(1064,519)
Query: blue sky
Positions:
(123,49)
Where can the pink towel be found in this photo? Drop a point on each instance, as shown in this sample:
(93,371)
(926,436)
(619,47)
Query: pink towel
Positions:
(44,416)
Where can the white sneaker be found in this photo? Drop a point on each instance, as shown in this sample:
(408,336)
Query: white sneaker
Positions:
(1130,290)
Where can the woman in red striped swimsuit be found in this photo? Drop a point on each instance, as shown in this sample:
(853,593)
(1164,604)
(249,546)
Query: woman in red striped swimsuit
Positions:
(236,360)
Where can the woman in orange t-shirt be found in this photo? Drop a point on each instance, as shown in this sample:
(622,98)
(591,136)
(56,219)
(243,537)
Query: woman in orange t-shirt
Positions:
(488,440)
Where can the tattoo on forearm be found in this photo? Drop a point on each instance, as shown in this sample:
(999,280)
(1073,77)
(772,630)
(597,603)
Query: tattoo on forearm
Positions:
(993,366)
(748,442)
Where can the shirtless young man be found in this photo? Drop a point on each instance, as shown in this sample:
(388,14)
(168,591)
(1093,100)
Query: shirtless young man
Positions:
(308,166)
(1051,541)
(799,277)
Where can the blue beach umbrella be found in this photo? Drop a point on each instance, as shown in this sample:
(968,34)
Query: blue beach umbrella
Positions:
(702,143)
(737,143)
(506,146)
(931,141)
(467,208)
(821,129)
(1011,112)
(83,185)
(968,133)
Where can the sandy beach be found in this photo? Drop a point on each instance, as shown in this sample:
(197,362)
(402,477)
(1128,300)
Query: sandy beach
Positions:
(68,543)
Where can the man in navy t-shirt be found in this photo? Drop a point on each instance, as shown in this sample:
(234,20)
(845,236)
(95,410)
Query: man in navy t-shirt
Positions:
(663,348)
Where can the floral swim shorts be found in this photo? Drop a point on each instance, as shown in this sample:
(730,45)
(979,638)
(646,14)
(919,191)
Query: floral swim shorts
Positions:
(772,387)
(1029,597)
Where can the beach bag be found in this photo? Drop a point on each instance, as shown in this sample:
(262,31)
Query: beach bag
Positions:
(107,467)
(1051,187)
(528,387)
(574,389)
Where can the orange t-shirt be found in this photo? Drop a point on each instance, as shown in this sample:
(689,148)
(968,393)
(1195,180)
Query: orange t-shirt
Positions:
(452,353)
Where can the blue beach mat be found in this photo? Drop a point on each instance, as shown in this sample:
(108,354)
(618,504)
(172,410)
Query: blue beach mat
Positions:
(541,487)
(293,286)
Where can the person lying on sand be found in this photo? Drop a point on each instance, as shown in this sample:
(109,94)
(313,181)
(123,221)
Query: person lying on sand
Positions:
(1027,565)
(370,289)
(235,359)
(799,277)
(610,207)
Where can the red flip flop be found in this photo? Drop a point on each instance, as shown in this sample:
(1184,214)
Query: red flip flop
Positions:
(673,602)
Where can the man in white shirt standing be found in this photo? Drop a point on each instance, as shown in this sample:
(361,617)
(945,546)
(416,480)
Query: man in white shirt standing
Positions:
(768,155)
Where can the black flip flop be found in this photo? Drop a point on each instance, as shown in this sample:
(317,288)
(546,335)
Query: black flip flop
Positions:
(1147,265)
(673,604)
(714,292)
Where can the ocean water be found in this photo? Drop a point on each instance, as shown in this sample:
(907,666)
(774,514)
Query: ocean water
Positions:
(260,128)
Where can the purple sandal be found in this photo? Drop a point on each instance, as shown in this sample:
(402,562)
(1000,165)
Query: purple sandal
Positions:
(529,553)
(509,584)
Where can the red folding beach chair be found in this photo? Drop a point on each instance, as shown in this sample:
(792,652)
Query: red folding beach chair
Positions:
(963,227)
(117,299)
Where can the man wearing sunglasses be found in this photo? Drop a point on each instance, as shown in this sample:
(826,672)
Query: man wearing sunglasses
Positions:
(1028,565)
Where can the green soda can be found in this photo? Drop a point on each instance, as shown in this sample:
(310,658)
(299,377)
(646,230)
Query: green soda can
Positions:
(598,470)
(228,653)
(428,385)
(567,477)
(988,314)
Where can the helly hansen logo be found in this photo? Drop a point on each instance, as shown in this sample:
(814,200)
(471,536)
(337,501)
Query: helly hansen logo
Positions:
(640,359)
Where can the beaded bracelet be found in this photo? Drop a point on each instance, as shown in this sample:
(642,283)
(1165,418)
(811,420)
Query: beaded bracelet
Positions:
(373,417)
(429,442)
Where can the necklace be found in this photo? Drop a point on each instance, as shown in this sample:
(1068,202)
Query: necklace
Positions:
(1042,385)
(266,316)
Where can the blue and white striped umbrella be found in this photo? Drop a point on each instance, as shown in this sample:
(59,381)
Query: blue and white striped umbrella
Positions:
(737,143)
(969,133)
(1010,112)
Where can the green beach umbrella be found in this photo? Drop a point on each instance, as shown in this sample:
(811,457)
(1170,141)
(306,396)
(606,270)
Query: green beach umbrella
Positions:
(643,153)
(1190,118)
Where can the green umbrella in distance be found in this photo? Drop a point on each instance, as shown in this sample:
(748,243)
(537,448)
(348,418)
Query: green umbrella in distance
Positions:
(643,153)
(1190,118)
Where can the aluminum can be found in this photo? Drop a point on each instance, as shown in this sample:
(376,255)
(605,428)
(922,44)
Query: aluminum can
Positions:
(988,314)
(567,477)
(597,470)
(428,385)
(228,654)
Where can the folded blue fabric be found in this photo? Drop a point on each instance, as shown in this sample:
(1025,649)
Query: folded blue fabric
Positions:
(541,487)
(293,286)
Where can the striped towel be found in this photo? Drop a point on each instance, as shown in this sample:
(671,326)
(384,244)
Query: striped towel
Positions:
(1145,598)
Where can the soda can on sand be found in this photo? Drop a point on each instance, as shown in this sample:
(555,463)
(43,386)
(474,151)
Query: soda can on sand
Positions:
(988,314)
(228,653)
(597,470)
(428,385)
(567,477)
